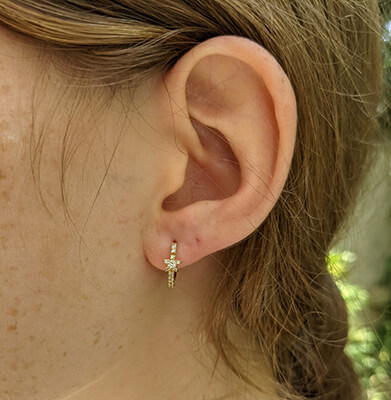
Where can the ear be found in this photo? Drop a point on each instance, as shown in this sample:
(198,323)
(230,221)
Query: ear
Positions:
(233,125)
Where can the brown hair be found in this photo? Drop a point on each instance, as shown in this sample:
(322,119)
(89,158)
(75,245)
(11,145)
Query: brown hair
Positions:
(275,285)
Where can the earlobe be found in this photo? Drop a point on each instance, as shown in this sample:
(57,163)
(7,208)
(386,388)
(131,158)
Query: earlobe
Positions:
(234,115)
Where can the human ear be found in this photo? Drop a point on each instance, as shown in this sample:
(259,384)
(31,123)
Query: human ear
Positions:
(233,126)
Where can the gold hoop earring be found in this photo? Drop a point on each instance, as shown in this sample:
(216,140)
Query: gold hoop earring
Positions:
(172,265)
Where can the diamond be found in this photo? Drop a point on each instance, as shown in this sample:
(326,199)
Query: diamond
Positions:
(172,265)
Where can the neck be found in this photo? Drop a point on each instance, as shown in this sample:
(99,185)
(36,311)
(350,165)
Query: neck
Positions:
(166,358)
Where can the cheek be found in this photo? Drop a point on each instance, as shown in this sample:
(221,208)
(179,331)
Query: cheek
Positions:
(68,306)
(63,301)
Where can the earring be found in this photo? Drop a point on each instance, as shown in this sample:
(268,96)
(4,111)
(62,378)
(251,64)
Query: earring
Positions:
(172,265)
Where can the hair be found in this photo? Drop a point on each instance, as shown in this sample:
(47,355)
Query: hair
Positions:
(275,285)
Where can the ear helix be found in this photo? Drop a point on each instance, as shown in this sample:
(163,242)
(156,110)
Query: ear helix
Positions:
(172,264)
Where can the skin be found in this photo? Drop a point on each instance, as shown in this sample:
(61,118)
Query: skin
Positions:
(84,304)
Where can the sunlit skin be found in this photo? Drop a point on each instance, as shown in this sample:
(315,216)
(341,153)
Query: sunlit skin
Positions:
(85,308)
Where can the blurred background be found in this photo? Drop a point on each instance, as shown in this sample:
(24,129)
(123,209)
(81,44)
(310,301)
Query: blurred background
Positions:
(361,259)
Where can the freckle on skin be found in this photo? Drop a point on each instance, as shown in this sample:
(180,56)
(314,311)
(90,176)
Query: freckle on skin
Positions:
(37,307)
(96,341)
(31,338)
(4,89)
(5,195)
(26,365)
(4,125)
(4,241)
(13,312)
(12,327)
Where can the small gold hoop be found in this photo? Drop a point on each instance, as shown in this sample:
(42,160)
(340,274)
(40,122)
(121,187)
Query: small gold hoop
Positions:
(172,265)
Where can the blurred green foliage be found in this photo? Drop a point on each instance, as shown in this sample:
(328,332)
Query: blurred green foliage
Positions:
(369,313)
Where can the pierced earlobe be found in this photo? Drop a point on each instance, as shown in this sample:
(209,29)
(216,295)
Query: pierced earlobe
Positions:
(172,263)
